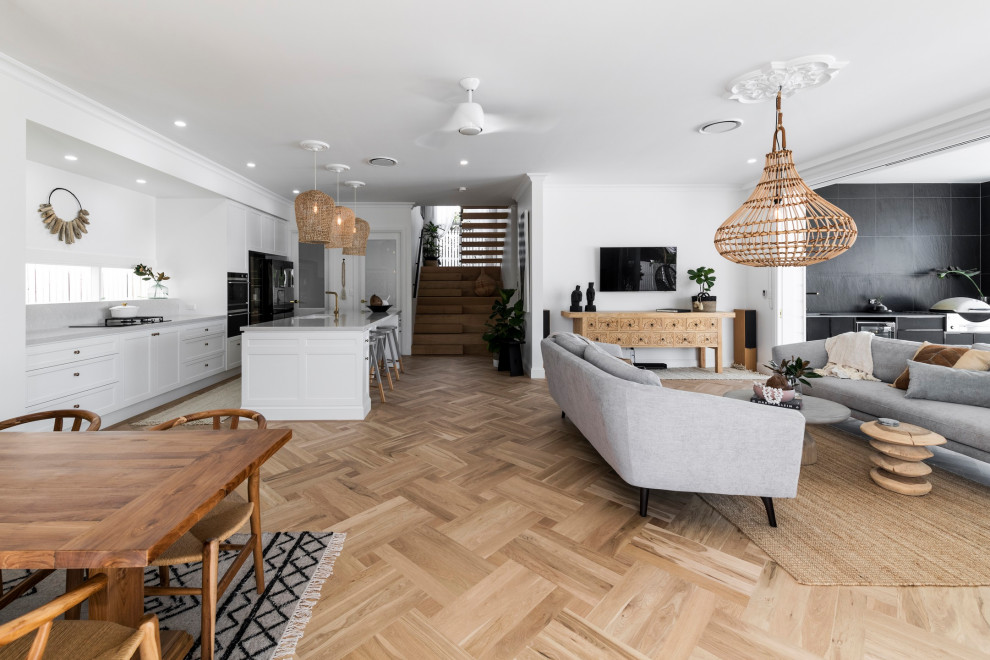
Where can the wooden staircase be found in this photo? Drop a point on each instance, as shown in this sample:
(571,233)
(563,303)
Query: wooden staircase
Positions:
(483,235)
(450,318)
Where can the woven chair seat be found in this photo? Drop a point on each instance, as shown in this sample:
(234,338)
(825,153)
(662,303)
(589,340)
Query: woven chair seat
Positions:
(221,522)
(80,640)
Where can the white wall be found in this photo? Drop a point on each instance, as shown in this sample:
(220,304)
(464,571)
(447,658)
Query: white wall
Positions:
(578,219)
(192,240)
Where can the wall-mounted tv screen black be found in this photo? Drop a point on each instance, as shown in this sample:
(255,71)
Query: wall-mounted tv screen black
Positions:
(637,269)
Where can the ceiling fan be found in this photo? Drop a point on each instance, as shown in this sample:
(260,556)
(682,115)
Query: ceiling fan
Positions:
(470,119)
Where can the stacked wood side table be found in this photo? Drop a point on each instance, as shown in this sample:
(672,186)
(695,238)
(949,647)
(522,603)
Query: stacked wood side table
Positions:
(900,452)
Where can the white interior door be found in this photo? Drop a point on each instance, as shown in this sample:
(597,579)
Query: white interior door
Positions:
(381,269)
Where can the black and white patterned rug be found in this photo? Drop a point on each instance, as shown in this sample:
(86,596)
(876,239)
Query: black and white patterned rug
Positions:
(249,625)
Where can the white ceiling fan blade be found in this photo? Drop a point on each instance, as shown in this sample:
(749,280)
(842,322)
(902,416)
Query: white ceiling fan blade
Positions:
(497,123)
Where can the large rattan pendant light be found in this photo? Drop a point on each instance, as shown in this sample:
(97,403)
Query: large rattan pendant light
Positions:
(784,222)
(359,245)
(314,209)
(342,225)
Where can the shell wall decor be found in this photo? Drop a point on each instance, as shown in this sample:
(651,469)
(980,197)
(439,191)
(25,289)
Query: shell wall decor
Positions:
(68,231)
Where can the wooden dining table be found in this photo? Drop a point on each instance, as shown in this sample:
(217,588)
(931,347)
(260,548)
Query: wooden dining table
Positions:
(112,501)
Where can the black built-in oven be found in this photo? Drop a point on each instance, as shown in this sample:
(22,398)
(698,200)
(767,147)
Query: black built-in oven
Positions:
(237,303)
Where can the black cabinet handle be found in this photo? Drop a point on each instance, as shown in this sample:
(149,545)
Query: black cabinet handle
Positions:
(75,352)
(76,405)
(76,374)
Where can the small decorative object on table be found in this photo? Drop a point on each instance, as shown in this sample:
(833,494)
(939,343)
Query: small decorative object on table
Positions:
(376,304)
(157,290)
(790,374)
(774,396)
(876,305)
(590,307)
(576,297)
(705,278)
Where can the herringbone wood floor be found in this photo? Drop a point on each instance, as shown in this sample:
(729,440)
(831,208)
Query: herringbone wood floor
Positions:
(481,525)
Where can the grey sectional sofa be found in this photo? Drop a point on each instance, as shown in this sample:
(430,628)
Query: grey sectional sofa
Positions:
(966,428)
(656,437)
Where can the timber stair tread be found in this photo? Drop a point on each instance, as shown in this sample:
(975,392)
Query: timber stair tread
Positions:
(450,318)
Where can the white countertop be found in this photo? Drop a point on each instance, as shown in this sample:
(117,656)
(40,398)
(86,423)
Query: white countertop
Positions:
(68,334)
(348,321)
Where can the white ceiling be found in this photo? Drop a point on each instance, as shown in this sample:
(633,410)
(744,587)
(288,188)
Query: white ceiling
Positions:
(50,147)
(617,90)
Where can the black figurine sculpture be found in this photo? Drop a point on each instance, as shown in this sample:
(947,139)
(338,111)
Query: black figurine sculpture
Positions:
(576,299)
(590,307)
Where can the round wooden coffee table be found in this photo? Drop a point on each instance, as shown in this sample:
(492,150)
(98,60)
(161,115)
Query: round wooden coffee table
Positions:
(900,452)
(815,410)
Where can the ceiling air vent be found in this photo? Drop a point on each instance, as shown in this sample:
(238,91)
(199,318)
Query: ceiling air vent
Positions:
(383,161)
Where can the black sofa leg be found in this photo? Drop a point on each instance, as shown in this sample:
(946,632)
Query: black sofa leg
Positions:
(644,501)
(562,414)
(768,504)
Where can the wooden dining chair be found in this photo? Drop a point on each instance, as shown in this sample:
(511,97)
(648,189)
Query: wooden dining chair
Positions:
(73,577)
(71,640)
(204,542)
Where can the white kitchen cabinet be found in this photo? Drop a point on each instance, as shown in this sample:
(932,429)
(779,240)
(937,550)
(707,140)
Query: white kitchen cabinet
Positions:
(233,352)
(136,365)
(268,234)
(281,237)
(237,243)
(165,359)
(254,237)
(203,351)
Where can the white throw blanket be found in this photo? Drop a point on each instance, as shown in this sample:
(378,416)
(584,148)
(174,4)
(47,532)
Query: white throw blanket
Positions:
(849,356)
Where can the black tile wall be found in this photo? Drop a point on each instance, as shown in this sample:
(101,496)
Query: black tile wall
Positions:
(905,232)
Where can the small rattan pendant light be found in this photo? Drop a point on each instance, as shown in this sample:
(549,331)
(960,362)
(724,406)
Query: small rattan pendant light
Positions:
(314,209)
(359,245)
(784,222)
(342,225)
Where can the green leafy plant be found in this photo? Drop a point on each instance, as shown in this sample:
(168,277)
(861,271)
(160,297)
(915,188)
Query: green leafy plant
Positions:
(507,322)
(794,369)
(705,278)
(146,273)
(431,240)
(968,273)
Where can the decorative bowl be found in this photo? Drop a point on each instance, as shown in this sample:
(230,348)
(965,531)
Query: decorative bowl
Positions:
(379,308)
(124,311)
(758,390)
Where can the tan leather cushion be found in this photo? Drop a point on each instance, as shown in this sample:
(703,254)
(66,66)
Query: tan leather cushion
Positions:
(942,356)
(974,360)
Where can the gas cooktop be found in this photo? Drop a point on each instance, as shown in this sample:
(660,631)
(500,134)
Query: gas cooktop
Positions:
(125,321)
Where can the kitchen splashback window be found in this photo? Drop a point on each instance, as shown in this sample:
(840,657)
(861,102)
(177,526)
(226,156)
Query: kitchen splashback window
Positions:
(48,283)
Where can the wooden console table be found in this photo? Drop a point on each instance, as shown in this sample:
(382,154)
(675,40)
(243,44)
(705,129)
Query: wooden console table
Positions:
(699,330)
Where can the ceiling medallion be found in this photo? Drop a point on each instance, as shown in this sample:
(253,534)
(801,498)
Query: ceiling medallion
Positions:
(784,77)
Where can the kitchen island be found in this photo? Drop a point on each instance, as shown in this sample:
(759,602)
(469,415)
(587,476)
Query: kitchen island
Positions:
(310,367)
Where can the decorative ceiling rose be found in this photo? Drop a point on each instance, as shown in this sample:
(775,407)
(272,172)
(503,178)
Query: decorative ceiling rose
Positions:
(68,231)
(784,77)
(314,209)
(784,222)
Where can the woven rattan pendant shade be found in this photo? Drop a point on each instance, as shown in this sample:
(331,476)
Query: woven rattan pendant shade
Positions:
(784,222)
(359,246)
(314,216)
(341,228)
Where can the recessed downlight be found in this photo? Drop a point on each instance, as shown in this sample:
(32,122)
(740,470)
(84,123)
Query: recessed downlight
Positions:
(140,181)
(750,160)
(71,157)
(251,165)
(179,123)
(462,189)
(464,162)
(295,192)
(720,126)
(383,161)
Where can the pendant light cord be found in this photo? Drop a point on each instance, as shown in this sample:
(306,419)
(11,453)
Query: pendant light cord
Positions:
(780,127)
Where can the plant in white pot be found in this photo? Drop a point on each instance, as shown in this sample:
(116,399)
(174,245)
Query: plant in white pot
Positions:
(705,278)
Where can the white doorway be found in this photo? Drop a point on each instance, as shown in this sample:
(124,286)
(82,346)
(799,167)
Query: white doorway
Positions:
(381,269)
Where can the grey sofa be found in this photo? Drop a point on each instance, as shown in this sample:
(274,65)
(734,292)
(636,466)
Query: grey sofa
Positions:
(656,437)
(966,428)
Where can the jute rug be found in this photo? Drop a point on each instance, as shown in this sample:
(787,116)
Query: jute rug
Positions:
(698,373)
(842,529)
(249,625)
(225,395)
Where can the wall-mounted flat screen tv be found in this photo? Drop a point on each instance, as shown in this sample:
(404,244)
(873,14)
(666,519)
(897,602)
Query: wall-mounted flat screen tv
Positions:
(637,269)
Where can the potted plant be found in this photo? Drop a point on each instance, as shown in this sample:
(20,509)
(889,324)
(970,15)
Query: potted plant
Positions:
(968,273)
(431,244)
(157,290)
(506,326)
(705,278)
(790,374)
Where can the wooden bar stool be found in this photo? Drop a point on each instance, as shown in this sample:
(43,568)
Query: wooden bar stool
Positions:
(374,354)
(394,350)
(382,337)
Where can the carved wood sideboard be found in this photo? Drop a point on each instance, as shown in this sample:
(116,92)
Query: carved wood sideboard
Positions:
(698,330)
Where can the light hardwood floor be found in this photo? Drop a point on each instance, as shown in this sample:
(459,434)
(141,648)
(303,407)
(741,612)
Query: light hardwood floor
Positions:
(481,525)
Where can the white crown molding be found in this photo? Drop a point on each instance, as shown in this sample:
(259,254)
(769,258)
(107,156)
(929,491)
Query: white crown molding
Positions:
(664,187)
(36,80)
(968,123)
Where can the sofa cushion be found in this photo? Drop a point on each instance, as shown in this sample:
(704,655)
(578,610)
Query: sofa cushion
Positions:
(935,383)
(616,367)
(964,424)
(974,360)
(890,357)
(573,343)
(943,356)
